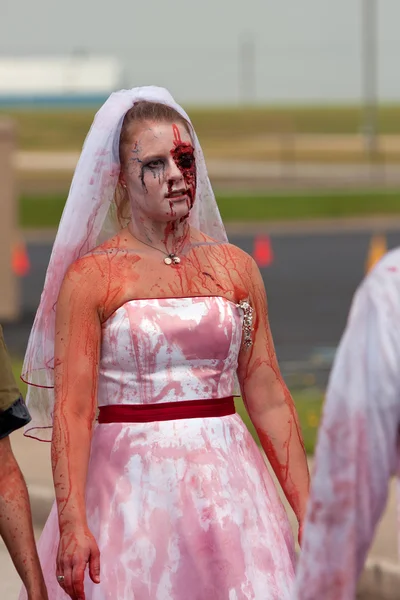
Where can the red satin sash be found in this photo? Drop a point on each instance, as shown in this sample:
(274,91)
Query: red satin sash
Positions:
(166,411)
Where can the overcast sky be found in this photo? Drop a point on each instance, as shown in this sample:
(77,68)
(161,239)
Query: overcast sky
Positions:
(305,49)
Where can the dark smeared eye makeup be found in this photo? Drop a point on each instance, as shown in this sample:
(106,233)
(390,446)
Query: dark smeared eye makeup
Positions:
(156,163)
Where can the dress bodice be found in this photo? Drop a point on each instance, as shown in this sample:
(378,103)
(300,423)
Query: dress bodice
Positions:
(180,504)
(164,350)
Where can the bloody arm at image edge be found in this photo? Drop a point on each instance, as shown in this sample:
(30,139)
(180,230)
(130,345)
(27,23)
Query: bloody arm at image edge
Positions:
(270,405)
(16,523)
(356,450)
(15,511)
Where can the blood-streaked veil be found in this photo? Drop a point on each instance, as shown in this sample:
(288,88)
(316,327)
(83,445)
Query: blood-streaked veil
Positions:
(85,223)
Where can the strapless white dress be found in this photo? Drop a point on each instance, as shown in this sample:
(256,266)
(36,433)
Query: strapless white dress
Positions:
(183,509)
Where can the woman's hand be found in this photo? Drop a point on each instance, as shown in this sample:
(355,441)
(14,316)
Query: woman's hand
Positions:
(77,548)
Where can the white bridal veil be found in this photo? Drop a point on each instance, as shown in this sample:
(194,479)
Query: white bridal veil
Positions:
(84,224)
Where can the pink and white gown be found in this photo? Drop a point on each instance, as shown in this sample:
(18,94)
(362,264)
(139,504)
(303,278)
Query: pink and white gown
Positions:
(183,509)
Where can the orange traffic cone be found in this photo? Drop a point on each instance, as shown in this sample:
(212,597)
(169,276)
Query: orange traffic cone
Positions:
(263,253)
(20,260)
(377,249)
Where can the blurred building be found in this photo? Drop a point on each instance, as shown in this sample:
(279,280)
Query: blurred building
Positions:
(80,79)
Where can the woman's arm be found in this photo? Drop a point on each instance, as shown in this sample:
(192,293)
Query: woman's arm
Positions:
(77,347)
(15,511)
(16,523)
(270,405)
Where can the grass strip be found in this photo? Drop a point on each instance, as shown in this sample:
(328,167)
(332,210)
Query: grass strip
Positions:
(45,211)
(52,128)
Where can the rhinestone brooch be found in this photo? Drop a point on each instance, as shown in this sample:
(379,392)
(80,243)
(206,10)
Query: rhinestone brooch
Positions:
(248,315)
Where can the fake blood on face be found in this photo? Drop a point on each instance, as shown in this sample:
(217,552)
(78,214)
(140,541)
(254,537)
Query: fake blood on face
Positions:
(183,155)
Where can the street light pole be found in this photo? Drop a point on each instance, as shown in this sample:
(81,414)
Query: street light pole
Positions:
(370,74)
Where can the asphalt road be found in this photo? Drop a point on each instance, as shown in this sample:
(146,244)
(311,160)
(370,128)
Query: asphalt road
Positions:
(310,284)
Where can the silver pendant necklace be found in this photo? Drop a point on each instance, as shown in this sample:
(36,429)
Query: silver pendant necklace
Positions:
(170,259)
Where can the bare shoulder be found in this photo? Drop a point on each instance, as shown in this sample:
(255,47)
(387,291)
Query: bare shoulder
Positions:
(95,278)
(87,274)
(239,257)
(239,254)
(84,270)
(93,264)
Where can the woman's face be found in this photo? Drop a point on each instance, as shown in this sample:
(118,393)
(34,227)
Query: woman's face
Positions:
(160,171)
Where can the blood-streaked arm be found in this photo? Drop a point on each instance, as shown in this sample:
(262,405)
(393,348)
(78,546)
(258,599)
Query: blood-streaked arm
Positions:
(77,347)
(270,405)
(16,523)
(356,450)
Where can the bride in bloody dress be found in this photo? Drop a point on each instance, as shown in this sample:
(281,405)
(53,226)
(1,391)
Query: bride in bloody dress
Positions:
(151,318)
